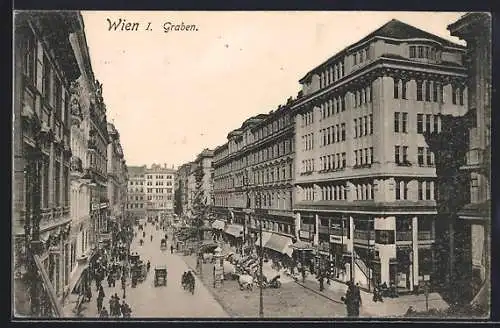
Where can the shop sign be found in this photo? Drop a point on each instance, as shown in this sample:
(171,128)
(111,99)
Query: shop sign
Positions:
(304,234)
(336,239)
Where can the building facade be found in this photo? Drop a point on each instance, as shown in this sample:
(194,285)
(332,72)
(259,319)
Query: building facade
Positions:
(475,29)
(159,187)
(136,198)
(45,67)
(365,177)
(253,180)
(117,175)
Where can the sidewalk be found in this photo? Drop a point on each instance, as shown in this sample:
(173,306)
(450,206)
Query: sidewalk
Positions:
(391,307)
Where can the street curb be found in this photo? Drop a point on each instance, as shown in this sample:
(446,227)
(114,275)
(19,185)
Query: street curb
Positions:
(207,287)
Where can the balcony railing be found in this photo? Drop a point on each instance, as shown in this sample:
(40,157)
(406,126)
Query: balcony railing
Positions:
(403,235)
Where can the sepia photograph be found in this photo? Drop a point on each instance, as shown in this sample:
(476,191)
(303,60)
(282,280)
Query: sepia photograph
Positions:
(251,165)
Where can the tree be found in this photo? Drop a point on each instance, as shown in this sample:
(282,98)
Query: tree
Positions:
(178,199)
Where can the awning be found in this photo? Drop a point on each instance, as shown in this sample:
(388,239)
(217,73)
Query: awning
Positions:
(235,230)
(78,276)
(302,246)
(50,289)
(218,224)
(280,244)
(265,237)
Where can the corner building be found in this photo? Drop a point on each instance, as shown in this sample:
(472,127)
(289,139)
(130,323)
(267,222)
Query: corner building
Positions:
(365,189)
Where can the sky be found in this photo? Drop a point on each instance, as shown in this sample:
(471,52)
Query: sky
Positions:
(170,95)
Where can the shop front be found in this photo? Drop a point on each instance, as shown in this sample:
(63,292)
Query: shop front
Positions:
(234,235)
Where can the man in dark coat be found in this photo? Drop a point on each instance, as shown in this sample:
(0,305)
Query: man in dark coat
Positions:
(352,300)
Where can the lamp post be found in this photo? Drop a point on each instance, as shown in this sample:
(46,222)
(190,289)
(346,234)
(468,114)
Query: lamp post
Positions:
(261,264)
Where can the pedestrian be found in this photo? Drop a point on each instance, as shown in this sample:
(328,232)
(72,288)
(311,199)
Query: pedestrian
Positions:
(100,298)
(171,249)
(321,282)
(352,300)
(104,313)
(124,284)
(151,237)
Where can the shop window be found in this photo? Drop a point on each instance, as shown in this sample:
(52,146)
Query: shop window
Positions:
(384,237)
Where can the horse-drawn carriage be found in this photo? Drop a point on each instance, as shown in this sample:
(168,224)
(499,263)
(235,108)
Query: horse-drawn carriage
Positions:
(163,244)
(160,276)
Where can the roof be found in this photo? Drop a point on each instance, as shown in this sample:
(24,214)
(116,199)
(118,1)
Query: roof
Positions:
(393,29)
(136,170)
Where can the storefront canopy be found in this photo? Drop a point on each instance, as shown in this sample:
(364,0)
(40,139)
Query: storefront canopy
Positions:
(77,276)
(218,224)
(235,230)
(302,246)
(265,238)
(280,244)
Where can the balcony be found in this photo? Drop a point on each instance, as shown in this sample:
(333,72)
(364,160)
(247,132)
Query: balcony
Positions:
(404,163)
(404,235)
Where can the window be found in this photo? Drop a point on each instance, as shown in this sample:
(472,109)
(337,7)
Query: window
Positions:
(403,89)
(371,123)
(396,154)
(420,52)
(355,57)
(461,96)
(413,53)
(420,123)
(396,89)
(396,121)
(343,160)
(371,155)
(419,90)
(29,60)
(428,119)
(405,154)
(429,157)
(398,190)
(420,156)
(436,123)
(420,190)
(405,123)
(355,128)
(366,125)
(454,91)
(356,157)
(46,86)
(343,131)
(428,190)
(427,91)
(435,91)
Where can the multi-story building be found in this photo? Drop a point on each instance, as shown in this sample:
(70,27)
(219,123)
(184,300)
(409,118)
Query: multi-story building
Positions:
(117,176)
(475,29)
(159,188)
(365,177)
(136,198)
(45,66)
(253,172)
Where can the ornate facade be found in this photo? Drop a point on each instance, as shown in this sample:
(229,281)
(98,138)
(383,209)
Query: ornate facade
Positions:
(117,174)
(365,176)
(45,67)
